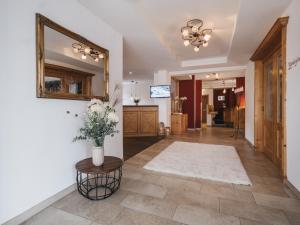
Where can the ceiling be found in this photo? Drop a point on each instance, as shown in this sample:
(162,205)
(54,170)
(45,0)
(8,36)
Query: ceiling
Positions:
(58,50)
(152,39)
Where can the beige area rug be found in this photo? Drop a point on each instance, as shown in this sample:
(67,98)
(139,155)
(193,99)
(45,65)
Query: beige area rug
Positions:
(213,162)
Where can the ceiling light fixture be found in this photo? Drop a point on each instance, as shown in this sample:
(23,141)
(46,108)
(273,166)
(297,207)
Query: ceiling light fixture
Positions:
(192,34)
(87,51)
(186,43)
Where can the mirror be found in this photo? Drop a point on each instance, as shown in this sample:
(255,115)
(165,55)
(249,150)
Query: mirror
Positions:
(68,65)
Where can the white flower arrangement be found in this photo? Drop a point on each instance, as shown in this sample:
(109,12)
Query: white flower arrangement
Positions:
(101,120)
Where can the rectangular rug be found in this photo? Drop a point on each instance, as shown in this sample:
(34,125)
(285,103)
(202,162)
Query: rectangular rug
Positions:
(207,161)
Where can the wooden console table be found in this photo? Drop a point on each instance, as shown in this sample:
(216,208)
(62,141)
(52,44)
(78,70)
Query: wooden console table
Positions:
(179,123)
(140,120)
(99,182)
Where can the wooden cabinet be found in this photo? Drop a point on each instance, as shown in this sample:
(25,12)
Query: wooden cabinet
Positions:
(140,121)
(179,123)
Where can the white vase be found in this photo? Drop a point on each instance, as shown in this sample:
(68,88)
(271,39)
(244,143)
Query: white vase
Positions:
(98,155)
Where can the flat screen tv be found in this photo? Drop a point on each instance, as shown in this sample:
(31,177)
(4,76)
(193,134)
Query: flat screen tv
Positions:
(160,91)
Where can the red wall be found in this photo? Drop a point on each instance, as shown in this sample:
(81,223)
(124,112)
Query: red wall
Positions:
(229,98)
(186,89)
(192,89)
(198,103)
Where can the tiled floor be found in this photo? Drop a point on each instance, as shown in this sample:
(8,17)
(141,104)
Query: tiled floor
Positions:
(151,198)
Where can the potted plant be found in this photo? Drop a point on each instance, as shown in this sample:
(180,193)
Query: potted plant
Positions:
(100,120)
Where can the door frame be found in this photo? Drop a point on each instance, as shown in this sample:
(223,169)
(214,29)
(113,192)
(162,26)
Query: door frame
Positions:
(275,37)
(206,96)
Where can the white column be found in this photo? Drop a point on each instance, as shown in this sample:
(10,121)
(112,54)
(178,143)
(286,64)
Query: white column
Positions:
(162,77)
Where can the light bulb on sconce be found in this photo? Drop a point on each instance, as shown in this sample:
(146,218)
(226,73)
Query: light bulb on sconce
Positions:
(96,59)
(185,32)
(232,89)
(206,37)
(224,91)
(87,50)
(205,44)
(195,29)
(186,43)
(83,56)
(75,50)
(196,49)
(101,55)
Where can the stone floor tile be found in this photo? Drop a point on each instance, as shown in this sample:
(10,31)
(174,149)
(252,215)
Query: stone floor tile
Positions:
(252,222)
(219,191)
(155,206)
(98,211)
(132,217)
(145,188)
(192,198)
(54,216)
(253,212)
(294,218)
(199,216)
(286,204)
(179,184)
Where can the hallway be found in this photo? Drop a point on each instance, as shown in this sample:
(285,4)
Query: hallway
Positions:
(154,198)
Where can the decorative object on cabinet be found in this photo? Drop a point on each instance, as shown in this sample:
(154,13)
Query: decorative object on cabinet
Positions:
(161,129)
(179,102)
(136,100)
(62,63)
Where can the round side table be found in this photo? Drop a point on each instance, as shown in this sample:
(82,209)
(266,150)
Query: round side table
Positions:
(99,182)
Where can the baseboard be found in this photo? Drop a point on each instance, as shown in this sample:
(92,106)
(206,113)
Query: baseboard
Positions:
(292,188)
(250,144)
(39,207)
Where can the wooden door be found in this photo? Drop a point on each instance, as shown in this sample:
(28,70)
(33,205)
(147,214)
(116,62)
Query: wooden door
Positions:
(268,143)
(204,108)
(279,113)
(272,141)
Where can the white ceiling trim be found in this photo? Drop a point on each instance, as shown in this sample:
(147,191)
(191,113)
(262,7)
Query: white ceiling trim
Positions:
(205,61)
(208,70)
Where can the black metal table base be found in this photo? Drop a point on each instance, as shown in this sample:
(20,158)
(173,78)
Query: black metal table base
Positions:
(98,186)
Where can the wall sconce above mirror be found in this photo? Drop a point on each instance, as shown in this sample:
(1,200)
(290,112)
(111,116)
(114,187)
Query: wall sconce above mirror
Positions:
(68,65)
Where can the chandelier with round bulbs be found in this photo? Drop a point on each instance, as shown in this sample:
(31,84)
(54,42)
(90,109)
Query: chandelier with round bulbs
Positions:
(192,34)
(87,51)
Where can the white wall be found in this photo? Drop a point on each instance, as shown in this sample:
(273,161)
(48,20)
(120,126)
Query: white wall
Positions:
(293,94)
(210,93)
(162,77)
(37,156)
(141,89)
(249,100)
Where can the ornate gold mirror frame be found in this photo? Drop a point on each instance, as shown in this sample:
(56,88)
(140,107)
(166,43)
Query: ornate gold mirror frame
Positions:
(41,22)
